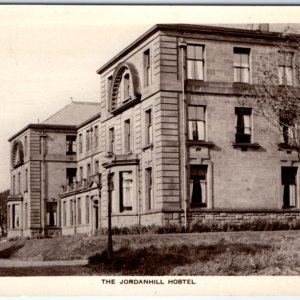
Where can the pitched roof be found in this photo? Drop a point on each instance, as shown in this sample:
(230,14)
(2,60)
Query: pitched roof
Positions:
(74,113)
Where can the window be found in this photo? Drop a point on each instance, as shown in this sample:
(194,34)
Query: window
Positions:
(127,136)
(19,183)
(71,144)
(87,210)
(195,62)
(64,213)
(78,211)
(71,213)
(241,65)
(80,173)
(16,216)
(285,68)
(96,167)
(111,140)
(126,87)
(26,180)
(149,189)
(88,171)
(198,185)
(196,116)
(147,68)
(26,215)
(126,191)
(288,130)
(25,145)
(71,175)
(108,86)
(96,137)
(288,180)
(149,133)
(243,125)
(51,213)
(87,140)
(80,143)
(14,184)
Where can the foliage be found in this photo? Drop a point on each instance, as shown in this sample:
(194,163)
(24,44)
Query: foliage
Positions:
(3,211)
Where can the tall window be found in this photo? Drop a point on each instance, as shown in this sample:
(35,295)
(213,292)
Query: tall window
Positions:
(80,143)
(19,183)
(78,211)
(195,62)
(71,175)
(196,117)
(285,68)
(147,68)
(126,191)
(149,131)
(14,184)
(127,136)
(16,216)
(108,86)
(64,213)
(88,171)
(111,140)
(241,65)
(71,144)
(96,136)
(198,185)
(87,140)
(26,215)
(243,125)
(96,167)
(51,213)
(71,212)
(288,130)
(87,210)
(26,180)
(149,189)
(288,179)
(25,145)
(80,173)
(126,87)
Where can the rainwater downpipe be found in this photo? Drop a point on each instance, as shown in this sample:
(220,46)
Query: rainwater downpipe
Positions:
(182,46)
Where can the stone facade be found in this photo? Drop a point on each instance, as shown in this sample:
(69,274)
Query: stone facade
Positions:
(172,143)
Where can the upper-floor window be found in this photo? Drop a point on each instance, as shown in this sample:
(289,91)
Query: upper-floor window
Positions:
(149,132)
(147,68)
(108,85)
(13,185)
(196,122)
(80,173)
(88,171)
(71,144)
(127,136)
(195,62)
(80,143)
(87,140)
(19,183)
(25,145)
(26,180)
(241,65)
(126,87)
(17,154)
(96,136)
(96,167)
(285,68)
(71,175)
(243,125)
(111,142)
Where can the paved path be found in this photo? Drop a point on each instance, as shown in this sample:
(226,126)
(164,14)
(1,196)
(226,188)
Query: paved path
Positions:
(11,263)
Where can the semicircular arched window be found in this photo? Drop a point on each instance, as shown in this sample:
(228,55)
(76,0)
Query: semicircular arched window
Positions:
(17,154)
(124,87)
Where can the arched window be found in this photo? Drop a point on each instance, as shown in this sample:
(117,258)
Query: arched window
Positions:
(17,154)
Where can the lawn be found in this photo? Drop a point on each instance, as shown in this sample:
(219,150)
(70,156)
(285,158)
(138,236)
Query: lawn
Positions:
(216,253)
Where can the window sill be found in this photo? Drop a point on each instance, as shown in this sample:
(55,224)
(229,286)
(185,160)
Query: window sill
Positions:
(245,146)
(147,147)
(198,205)
(200,143)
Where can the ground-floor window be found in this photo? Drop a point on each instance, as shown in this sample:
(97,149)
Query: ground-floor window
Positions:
(198,185)
(51,213)
(288,180)
(78,211)
(16,216)
(26,215)
(87,210)
(126,191)
(149,188)
(64,213)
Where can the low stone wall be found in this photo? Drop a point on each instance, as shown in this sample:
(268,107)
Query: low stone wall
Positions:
(239,217)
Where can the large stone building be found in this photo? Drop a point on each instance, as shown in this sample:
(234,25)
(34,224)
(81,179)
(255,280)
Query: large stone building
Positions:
(171,137)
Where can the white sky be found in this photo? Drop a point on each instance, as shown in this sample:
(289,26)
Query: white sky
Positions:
(51,53)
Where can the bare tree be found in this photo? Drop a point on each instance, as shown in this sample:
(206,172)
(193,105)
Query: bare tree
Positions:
(276,95)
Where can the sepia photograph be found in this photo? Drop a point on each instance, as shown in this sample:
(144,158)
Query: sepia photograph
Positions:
(160,142)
